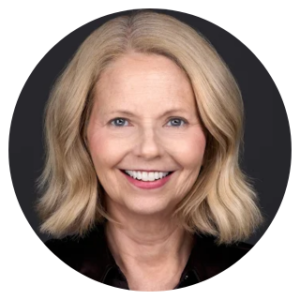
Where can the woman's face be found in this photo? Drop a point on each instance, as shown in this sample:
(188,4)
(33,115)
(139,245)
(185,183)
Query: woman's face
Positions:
(144,125)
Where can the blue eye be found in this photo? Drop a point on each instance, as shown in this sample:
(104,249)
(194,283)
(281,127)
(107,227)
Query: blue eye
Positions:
(176,122)
(119,122)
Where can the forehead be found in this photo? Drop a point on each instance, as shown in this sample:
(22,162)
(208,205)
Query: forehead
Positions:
(144,80)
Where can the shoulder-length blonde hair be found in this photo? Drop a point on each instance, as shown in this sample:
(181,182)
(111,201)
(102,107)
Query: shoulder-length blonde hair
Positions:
(221,202)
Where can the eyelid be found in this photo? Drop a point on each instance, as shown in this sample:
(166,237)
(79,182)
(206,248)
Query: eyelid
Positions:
(178,118)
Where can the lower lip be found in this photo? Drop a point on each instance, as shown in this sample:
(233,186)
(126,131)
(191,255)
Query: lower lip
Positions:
(148,184)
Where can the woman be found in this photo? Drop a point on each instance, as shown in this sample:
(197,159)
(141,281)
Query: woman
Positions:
(142,187)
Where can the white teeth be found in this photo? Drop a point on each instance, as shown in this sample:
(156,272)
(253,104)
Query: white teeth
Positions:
(151,176)
(129,173)
(146,176)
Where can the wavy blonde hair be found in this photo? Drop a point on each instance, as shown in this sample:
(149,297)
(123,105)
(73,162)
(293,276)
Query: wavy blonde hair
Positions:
(222,202)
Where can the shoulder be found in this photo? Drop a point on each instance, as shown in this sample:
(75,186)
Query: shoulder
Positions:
(229,254)
(216,258)
(69,250)
(74,250)
(89,255)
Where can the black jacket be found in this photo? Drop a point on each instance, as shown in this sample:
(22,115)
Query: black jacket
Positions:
(91,256)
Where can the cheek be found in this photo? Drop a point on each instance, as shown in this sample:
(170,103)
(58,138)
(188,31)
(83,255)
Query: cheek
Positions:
(102,150)
(189,149)
(103,155)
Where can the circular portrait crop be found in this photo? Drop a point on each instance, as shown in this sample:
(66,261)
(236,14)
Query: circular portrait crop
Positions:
(150,150)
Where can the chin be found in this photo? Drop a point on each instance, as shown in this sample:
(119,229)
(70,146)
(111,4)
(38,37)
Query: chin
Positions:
(143,206)
(148,206)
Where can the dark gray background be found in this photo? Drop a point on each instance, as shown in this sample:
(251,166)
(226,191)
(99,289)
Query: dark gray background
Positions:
(267,140)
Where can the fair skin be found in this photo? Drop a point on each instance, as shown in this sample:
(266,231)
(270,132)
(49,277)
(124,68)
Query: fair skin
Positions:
(144,118)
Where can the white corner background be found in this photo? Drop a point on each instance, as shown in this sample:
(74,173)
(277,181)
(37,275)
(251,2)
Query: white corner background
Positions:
(29,29)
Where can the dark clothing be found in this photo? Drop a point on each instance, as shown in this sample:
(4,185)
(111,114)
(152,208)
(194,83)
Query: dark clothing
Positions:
(91,256)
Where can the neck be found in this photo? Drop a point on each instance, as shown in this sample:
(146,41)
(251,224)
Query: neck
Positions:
(149,247)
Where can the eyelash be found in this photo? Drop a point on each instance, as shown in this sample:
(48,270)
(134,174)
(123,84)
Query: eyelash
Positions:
(113,122)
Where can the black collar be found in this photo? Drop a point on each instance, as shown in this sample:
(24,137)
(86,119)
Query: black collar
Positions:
(91,256)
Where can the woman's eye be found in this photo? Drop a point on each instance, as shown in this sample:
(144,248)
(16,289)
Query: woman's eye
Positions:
(119,122)
(176,122)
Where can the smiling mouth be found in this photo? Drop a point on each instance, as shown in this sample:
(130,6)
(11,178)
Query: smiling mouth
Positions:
(146,176)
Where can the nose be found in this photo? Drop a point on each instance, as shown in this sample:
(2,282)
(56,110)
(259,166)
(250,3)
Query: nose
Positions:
(148,145)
